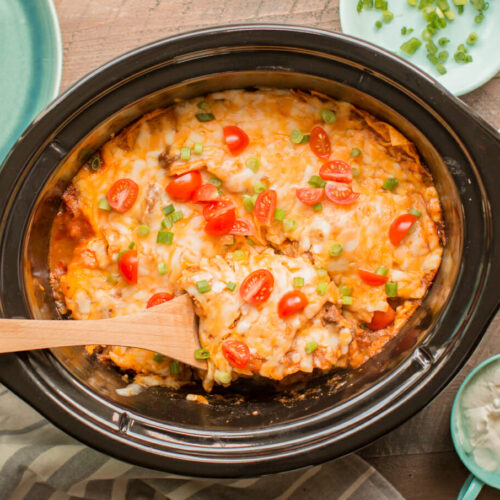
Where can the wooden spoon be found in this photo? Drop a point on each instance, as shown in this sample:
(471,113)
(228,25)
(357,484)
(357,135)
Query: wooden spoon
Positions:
(168,329)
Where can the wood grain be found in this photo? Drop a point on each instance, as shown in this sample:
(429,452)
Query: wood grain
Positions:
(418,457)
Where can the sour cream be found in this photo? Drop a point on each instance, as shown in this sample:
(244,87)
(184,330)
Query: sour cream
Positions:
(479,419)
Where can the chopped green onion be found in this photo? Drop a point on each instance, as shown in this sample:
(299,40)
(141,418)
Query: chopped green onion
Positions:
(198,148)
(310,347)
(415,212)
(468,58)
(95,164)
(215,181)
(427,35)
(231,286)
(335,249)
(222,377)
(345,291)
(346,300)
(201,354)
(443,41)
(253,164)
(355,152)
(205,117)
(104,204)
(449,14)
(289,225)
(412,3)
(382,271)
(279,214)
(404,30)
(460,2)
(431,47)
(131,246)
(113,279)
(318,207)
(321,290)
(305,139)
(390,183)
(298,282)
(158,358)
(258,187)
(203,286)
(411,45)
(381,4)
(443,56)
(120,254)
(165,238)
(238,255)
(230,240)
(443,4)
(328,116)
(391,288)
(355,172)
(378,24)
(162,268)
(472,38)
(248,203)
(316,181)
(296,136)
(322,272)
(387,16)
(174,367)
(479,18)
(432,58)
(441,69)
(185,154)
(202,105)
(166,223)
(177,216)
(168,209)
(143,230)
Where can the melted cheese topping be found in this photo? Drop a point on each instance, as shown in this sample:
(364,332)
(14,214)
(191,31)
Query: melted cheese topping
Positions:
(148,152)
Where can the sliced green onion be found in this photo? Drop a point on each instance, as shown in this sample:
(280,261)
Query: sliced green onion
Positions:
(158,358)
(415,212)
(468,58)
(120,254)
(412,3)
(431,47)
(177,216)
(391,288)
(231,286)
(279,214)
(441,69)
(113,279)
(305,139)
(345,291)
(289,225)
(205,117)
(411,45)
(322,287)
(298,282)
(355,152)
(335,249)
(427,34)
(253,164)
(238,255)
(222,377)
(104,204)
(378,24)
(166,223)
(201,354)
(165,238)
(322,272)
(248,203)
(202,105)
(310,347)
(318,207)
(433,59)
(460,2)
(198,148)
(162,268)
(258,187)
(355,172)
(131,246)
(168,209)
(316,181)
(215,181)
(230,240)
(346,300)
(381,4)
(143,230)
(203,286)
(185,154)
(462,48)
(95,164)
(472,38)
(443,4)
(387,16)
(443,55)
(174,367)
(450,15)
(443,41)
(404,30)
(390,183)
(296,136)
(382,271)
(479,18)
(328,116)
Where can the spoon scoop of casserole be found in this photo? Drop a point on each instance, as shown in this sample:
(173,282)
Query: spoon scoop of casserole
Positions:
(169,329)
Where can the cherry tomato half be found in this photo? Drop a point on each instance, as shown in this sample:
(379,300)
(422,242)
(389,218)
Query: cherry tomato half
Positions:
(241,227)
(256,288)
(213,209)
(381,319)
(291,302)
(371,278)
(206,193)
(265,206)
(158,298)
(128,266)
(122,195)
(400,227)
(236,139)
(221,224)
(336,170)
(310,196)
(236,353)
(182,188)
(320,143)
(341,194)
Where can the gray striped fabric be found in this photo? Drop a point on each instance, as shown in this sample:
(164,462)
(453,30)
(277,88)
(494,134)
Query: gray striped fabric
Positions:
(40,462)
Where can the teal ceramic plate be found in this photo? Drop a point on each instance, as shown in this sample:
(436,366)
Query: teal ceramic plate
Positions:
(460,78)
(30,64)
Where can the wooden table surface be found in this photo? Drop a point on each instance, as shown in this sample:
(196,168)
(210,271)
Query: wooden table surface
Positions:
(418,457)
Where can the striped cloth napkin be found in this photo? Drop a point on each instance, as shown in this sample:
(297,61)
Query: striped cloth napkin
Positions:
(40,462)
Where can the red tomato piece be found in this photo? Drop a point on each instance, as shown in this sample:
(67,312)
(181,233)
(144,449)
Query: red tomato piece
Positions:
(256,288)
(128,266)
(291,302)
(236,139)
(221,224)
(241,227)
(236,353)
(341,194)
(206,193)
(265,206)
(336,170)
(310,196)
(211,210)
(371,278)
(122,195)
(159,298)
(320,143)
(381,319)
(182,188)
(400,227)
